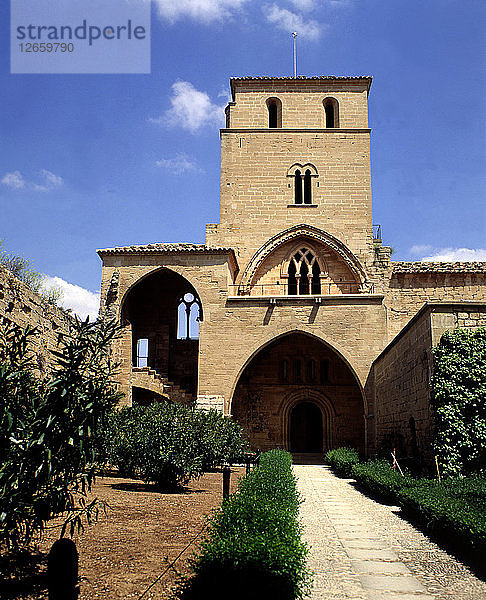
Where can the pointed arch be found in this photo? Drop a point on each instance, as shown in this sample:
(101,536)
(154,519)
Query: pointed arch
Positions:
(341,352)
(304,231)
(259,391)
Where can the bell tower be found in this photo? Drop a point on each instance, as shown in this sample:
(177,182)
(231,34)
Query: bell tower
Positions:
(295,151)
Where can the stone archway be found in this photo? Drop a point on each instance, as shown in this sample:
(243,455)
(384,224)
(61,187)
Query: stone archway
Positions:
(298,369)
(158,344)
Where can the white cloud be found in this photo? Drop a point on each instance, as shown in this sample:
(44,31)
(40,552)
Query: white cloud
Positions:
(81,301)
(191,109)
(180,163)
(204,11)
(288,21)
(420,249)
(304,4)
(14,180)
(52,180)
(456,254)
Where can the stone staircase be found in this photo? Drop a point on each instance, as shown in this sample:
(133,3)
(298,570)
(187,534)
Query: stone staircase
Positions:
(149,379)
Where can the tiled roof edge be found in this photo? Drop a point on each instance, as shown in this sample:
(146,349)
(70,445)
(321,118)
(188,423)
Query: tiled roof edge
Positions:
(439,267)
(160,247)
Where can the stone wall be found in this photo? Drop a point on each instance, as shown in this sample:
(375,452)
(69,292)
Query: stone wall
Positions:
(257,194)
(401,376)
(20,305)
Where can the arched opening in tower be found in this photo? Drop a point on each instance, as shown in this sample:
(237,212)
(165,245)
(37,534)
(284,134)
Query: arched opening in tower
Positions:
(163,312)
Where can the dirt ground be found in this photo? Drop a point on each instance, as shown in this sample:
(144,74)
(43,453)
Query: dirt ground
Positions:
(133,543)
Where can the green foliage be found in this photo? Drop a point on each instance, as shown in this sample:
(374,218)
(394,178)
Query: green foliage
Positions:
(455,508)
(459,401)
(254,546)
(342,460)
(168,444)
(380,479)
(47,435)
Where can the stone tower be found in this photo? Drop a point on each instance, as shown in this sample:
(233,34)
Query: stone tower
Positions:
(295,151)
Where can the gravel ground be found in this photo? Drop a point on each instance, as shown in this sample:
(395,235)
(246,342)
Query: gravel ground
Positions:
(363,550)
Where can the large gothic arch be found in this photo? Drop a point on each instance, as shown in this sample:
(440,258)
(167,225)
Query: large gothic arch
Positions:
(294,368)
(181,271)
(303,231)
(271,338)
(149,313)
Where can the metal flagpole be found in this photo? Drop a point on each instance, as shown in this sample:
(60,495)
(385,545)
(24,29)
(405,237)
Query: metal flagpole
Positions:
(294,35)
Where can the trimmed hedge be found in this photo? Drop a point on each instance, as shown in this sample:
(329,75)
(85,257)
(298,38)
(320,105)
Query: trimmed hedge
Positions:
(379,479)
(254,548)
(455,509)
(342,460)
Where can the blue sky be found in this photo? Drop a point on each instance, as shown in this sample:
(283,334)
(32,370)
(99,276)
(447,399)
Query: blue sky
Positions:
(93,161)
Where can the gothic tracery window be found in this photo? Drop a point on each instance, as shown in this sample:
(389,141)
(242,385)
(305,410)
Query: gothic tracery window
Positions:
(304,274)
(188,317)
(302,184)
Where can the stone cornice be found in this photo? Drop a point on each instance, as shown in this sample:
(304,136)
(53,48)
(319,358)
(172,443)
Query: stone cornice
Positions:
(294,130)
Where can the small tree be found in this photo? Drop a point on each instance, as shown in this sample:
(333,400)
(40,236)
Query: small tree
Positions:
(459,401)
(48,428)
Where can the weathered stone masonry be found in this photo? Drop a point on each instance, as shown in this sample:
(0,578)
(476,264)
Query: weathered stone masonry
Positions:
(20,305)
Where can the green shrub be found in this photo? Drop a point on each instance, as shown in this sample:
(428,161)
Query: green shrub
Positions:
(455,508)
(49,427)
(342,460)
(380,479)
(459,400)
(254,547)
(168,444)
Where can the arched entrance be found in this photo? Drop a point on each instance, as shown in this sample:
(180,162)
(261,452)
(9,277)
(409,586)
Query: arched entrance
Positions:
(305,428)
(161,314)
(298,393)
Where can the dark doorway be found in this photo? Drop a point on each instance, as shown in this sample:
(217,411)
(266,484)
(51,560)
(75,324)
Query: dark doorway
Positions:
(306,428)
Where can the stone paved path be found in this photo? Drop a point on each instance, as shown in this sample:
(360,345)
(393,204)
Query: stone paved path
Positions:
(362,550)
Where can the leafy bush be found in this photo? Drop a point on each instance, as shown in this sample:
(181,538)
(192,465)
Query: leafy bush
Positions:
(459,401)
(342,460)
(48,428)
(380,479)
(254,545)
(168,444)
